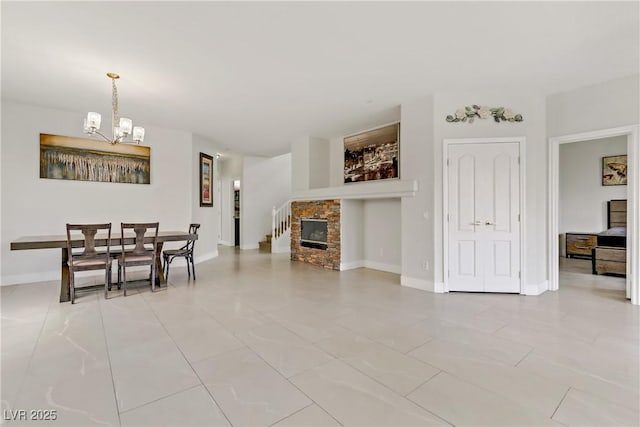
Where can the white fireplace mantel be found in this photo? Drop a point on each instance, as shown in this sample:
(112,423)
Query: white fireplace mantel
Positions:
(360,190)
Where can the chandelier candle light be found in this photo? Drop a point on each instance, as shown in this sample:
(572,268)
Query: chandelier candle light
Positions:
(120,126)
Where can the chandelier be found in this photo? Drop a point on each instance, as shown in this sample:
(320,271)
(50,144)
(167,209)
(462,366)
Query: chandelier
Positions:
(121,127)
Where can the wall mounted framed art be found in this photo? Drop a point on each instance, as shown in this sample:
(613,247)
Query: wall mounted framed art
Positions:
(81,159)
(206,180)
(372,155)
(614,170)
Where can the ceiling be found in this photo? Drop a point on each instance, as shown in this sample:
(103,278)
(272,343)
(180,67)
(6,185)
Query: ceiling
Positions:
(254,76)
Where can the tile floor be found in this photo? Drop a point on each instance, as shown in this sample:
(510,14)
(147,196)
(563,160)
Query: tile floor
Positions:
(261,341)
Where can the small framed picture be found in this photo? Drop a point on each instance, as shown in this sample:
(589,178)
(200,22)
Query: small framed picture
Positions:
(614,170)
(206,180)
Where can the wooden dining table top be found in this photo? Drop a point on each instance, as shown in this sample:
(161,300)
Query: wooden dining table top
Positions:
(60,241)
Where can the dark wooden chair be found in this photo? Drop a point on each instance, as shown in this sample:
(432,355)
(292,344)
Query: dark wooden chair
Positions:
(88,259)
(140,255)
(186,252)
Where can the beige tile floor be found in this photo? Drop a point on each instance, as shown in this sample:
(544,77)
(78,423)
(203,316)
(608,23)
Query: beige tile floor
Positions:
(261,341)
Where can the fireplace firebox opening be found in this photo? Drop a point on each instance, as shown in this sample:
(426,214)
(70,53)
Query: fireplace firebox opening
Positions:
(313,233)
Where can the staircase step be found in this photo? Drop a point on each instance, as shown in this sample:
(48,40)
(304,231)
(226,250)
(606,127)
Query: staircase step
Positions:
(269,237)
(265,246)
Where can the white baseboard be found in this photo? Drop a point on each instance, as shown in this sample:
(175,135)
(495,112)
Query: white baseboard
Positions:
(412,282)
(389,268)
(225,243)
(351,265)
(439,288)
(43,276)
(249,246)
(206,257)
(535,289)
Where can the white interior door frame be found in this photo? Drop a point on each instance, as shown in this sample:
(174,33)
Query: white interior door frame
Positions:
(521,141)
(633,200)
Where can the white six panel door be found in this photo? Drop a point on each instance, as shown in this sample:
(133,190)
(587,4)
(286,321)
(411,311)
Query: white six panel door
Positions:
(484,223)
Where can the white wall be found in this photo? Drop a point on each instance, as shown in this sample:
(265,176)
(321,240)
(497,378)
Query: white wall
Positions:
(207,245)
(310,163)
(300,164)
(382,234)
(351,234)
(532,107)
(35,206)
(601,106)
(336,161)
(318,163)
(417,151)
(266,182)
(583,199)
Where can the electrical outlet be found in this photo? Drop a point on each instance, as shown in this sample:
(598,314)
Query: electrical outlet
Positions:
(425,265)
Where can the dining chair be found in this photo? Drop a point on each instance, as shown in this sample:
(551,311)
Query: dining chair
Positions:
(86,258)
(185,252)
(140,255)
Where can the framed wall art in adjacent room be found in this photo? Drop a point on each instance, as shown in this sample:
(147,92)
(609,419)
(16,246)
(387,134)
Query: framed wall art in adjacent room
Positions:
(206,180)
(614,170)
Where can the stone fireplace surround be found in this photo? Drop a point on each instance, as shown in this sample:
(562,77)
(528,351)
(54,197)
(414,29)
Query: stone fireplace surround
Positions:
(330,203)
(317,209)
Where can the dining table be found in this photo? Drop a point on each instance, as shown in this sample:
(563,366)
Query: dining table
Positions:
(60,242)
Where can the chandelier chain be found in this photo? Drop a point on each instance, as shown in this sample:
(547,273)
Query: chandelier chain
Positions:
(114,102)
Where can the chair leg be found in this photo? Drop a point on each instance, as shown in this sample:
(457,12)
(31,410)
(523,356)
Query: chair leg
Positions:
(166,276)
(164,264)
(107,281)
(124,280)
(193,267)
(72,287)
(188,267)
(153,277)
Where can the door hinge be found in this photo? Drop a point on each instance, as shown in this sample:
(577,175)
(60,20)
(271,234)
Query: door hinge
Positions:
(518,159)
(447,217)
(447,162)
(519,275)
(518,217)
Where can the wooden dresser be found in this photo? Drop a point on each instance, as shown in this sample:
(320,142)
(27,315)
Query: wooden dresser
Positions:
(581,245)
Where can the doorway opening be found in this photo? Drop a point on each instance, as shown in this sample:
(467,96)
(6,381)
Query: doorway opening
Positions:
(592,215)
(629,255)
(236,212)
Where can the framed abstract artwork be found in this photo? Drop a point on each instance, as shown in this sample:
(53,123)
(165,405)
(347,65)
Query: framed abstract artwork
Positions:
(81,159)
(206,180)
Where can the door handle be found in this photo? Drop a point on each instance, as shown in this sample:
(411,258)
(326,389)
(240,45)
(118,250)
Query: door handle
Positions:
(489,223)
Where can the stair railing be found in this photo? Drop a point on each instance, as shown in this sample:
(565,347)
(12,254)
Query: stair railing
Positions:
(280,220)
